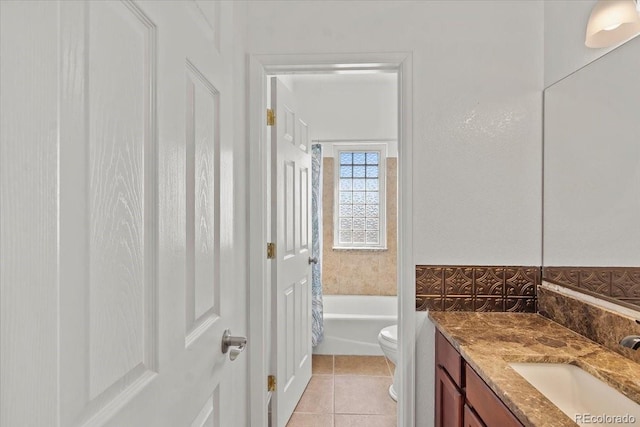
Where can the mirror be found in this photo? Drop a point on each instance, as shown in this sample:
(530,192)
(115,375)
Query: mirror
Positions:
(591,230)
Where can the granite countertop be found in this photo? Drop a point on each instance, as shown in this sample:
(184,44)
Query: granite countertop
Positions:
(490,341)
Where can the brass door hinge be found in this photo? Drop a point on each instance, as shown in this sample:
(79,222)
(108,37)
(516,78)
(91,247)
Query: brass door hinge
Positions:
(271,383)
(271,117)
(271,250)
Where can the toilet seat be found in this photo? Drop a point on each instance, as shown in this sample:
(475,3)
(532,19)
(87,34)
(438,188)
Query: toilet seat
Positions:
(390,334)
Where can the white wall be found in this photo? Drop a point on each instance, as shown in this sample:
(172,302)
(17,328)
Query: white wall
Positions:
(347,106)
(565,25)
(425,369)
(477,110)
(478,79)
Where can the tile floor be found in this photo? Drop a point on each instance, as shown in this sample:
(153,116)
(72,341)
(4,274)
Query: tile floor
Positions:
(347,391)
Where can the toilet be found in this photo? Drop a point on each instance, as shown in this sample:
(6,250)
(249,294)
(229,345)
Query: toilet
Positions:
(388,340)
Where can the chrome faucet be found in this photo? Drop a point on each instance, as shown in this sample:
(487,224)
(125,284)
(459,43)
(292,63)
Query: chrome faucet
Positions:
(631,341)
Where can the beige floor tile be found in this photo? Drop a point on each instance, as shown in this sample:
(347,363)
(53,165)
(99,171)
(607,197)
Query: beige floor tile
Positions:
(363,395)
(310,420)
(322,364)
(318,397)
(365,421)
(361,365)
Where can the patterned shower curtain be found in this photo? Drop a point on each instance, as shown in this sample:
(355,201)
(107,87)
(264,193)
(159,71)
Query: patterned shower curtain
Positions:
(317,327)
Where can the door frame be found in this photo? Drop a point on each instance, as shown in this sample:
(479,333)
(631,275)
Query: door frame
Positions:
(261,66)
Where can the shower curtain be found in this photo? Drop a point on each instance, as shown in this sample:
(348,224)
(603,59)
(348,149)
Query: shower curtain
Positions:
(317,327)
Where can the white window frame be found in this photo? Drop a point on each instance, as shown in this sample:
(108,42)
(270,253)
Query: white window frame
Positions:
(382,148)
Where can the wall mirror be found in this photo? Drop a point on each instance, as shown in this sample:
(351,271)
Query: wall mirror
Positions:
(591,202)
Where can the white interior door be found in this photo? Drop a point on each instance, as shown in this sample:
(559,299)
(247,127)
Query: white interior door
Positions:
(110,303)
(291,153)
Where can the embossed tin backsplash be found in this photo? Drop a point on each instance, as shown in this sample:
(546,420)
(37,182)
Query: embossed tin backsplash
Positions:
(476,288)
(621,283)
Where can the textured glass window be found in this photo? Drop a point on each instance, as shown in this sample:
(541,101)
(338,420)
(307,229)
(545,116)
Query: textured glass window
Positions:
(358,199)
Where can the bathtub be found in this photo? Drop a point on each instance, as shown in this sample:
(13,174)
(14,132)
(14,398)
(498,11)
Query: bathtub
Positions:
(352,323)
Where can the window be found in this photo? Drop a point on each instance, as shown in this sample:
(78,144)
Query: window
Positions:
(359,217)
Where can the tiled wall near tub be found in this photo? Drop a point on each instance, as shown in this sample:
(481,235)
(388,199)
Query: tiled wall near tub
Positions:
(359,272)
(476,288)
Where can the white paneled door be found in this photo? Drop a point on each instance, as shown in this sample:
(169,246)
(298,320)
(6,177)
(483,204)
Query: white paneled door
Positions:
(111,290)
(292,274)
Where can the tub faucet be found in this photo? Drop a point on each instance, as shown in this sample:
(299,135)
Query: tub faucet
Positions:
(631,341)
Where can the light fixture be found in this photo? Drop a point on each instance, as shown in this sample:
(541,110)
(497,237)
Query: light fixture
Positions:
(612,22)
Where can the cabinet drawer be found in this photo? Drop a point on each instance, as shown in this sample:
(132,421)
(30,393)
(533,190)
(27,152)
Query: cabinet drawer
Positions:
(471,419)
(486,404)
(448,358)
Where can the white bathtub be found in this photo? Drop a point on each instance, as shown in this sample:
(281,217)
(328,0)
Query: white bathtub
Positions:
(352,323)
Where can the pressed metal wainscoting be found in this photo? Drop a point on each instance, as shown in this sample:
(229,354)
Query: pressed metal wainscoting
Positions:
(621,283)
(476,288)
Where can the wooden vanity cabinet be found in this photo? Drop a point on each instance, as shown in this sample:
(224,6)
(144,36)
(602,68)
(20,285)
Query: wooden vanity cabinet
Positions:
(449,396)
(462,398)
(449,401)
(471,419)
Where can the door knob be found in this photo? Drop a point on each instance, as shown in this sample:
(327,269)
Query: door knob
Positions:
(313,260)
(238,344)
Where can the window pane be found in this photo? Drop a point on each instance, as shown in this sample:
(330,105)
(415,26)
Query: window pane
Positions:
(372,158)
(345,184)
(345,237)
(345,197)
(373,211)
(346,210)
(358,237)
(358,197)
(346,223)
(372,184)
(358,171)
(358,158)
(358,223)
(358,210)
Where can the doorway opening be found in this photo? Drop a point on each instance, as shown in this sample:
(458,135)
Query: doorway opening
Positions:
(351,122)
(359,227)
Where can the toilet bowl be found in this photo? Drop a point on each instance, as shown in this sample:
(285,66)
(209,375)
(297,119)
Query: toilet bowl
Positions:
(388,340)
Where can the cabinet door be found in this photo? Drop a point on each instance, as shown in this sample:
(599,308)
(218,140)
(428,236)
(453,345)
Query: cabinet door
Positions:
(449,401)
(471,419)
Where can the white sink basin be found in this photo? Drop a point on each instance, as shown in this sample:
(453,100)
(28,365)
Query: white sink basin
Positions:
(579,394)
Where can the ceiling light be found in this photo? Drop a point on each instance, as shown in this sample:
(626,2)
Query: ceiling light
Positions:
(612,22)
